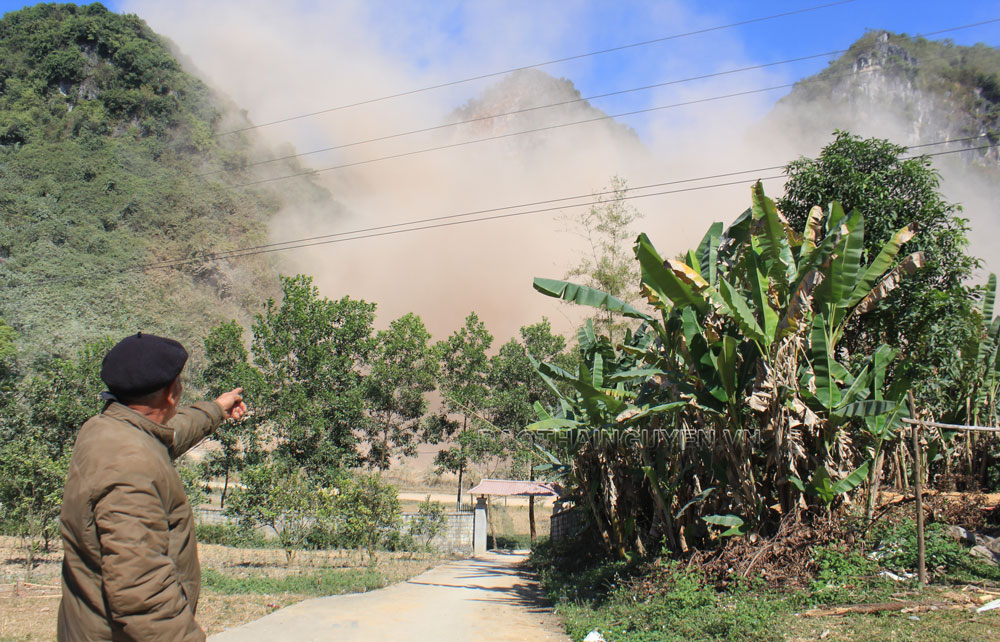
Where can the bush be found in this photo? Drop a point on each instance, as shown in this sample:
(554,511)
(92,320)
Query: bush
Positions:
(232,535)
(428,522)
(843,576)
(895,547)
(283,499)
(368,513)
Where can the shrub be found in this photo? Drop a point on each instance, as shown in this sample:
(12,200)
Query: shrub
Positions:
(895,546)
(283,499)
(368,512)
(841,573)
(428,522)
(232,535)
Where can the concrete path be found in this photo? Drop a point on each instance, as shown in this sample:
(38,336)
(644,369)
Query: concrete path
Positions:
(487,598)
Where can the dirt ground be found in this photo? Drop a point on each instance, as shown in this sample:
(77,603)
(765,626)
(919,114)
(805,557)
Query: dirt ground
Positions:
(29,603)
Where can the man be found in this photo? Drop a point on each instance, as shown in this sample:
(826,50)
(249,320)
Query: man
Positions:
(130,566)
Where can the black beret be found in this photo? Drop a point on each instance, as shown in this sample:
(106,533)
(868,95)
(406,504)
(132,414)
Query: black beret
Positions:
(141,364)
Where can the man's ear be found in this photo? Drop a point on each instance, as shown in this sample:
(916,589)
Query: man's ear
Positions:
(174,392)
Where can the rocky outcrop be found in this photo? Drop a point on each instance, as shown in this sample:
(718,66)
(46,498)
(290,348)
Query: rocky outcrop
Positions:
(908,90)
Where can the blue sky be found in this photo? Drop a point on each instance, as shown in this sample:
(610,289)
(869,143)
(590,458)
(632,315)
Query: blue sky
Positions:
(607,24)
(599,25)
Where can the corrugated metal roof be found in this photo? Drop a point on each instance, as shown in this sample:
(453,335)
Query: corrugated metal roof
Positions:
(511,487)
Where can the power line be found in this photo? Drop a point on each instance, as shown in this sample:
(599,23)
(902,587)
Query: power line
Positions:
(569,102)
(541,64)
(572,123)
(448,220)
(518,111)
(541,210)
(225,254)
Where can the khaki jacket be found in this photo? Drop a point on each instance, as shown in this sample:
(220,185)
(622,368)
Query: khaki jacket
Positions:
(130,565)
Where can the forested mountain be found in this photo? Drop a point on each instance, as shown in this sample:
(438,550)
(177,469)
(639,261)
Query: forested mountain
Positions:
(110,151)
(912,90)
(935,97)
(106,145)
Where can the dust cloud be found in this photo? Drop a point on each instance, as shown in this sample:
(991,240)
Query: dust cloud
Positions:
(282,59)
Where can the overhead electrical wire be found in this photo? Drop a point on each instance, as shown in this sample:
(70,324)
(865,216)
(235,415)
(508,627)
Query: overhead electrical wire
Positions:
(540,64)
(567,102)
(605,117)
(449,220)
(224,254)
(515,112)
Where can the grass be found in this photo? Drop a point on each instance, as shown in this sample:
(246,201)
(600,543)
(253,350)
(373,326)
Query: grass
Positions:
(321,582)
(238,584)
(665,600)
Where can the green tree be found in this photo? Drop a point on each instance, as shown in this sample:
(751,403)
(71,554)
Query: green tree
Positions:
(931,317)
(368,512)
(283,498)
(8,378)
(311,352)
(512,383)
(464,367)
(31,490)
(514,389)
(41,416)
(608,264)
(428,522)
(228,367)
(403,369)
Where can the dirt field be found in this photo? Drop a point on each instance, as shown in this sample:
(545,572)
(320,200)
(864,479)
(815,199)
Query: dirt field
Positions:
(29,604)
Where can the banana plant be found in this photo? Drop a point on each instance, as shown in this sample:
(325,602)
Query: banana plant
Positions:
(741,340)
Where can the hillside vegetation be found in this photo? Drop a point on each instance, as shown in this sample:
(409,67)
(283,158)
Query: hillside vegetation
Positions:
(105,145)
(909,89)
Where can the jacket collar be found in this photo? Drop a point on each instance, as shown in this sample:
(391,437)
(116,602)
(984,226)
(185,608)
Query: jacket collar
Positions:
(140,421)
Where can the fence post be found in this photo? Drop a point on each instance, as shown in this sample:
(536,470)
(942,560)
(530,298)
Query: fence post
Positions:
(917,489)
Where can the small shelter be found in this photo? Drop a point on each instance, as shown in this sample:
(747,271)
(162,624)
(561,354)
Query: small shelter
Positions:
(509,488)
(515,488)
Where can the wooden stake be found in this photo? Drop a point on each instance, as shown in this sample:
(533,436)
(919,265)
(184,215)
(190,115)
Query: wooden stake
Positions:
(917,489)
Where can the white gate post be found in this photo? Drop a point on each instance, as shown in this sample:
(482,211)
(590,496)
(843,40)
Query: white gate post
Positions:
(479,528)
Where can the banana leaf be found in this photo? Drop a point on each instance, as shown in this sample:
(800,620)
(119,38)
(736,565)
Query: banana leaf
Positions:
(702,496)
(740,312)
(646,411)
(777,252)
(629,375)
(726,363)
(586,338)
(660,281)
(881,263)
(834,217)
(553,424)
(810,235)
(988,344)
(906,267)
(734,522)
(584,295)
(692,260)
(760,286)
(708,253)
(853,480)
(541,411)
(849,264)
(827,391)
(800,305)
(846,259)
